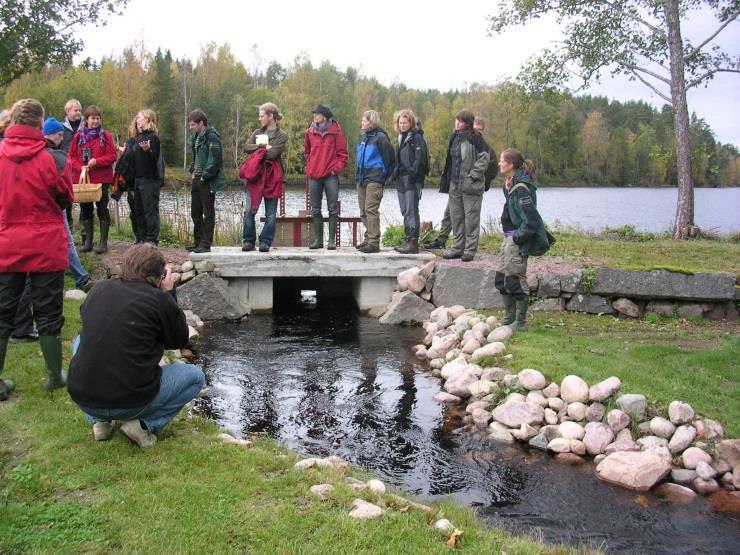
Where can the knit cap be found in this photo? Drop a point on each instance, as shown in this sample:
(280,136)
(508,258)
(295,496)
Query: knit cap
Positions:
(51,126)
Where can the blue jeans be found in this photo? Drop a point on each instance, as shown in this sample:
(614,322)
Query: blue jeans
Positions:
(179,385)
(316,188)
(249,233)
(75,266)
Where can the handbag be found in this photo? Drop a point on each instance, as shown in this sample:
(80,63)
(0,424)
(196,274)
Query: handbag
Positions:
(85,191)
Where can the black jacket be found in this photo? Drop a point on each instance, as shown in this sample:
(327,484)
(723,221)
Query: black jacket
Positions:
(412,156)
(126,326)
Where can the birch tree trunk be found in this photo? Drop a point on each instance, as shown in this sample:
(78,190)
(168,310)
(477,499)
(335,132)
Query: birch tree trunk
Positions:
(684,223)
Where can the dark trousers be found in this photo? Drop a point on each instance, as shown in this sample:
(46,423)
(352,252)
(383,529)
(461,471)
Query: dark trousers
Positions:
(147,208)
(203,212)
(86,208)
(134,216)
(23,314)
(47,299)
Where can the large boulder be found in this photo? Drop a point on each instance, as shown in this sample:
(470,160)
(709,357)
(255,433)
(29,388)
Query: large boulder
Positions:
(682,438)
(597,437)
(574,389)
(412,280)
(532,379)
(680,412)
(406,308)
(211,298)
(548,286)
(634,405)
(513,414)
(635,470)
(591,304)
(662,284)
(604,389)
(471,287)
(729,450)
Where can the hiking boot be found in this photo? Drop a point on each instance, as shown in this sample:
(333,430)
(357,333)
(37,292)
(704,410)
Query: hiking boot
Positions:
(436,244)
(332,243)
(318,233)
(520,323)
(51,348)
(103,246)
(402,246)
(411,247)
(189,248)
(451,255)
(247,247)
(29,338)
(264,247)
(367,248)
(133,430)
(103,430)
(510,307)
(202,248)
(467,257)
(361,245)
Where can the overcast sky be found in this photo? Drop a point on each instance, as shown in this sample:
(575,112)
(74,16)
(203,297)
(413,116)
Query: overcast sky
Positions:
(422,44)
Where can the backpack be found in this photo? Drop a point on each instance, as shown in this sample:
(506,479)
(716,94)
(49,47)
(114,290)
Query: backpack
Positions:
(424,163)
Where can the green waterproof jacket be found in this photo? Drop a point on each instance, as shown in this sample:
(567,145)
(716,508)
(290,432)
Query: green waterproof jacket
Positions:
(210,159)
(475,158)
(521,212)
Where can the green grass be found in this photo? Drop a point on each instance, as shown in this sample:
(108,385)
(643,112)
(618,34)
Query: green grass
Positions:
(62,492)
(664,359)
(583,249)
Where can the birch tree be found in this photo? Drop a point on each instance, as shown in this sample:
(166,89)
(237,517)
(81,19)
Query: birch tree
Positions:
(641,39)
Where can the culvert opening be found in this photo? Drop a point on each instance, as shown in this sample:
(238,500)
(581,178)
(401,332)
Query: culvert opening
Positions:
(311,292)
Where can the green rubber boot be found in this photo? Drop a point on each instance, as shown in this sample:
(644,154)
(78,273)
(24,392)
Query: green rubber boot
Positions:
(332,243)
(510,308)
(520,324)
(318,233)
(51,347)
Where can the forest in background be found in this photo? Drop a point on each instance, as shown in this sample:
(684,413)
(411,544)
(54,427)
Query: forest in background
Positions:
(574,140)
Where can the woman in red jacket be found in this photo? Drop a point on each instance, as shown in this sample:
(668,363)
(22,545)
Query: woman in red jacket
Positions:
(325,147)
(33,239)
(93,146)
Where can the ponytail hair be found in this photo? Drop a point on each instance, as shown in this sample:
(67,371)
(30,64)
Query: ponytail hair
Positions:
(515,158)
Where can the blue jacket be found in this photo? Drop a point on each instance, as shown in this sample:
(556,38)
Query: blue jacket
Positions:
(375,158)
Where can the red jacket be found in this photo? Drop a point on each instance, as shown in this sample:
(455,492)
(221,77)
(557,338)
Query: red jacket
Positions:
(32,191)
(326,153)
(105,157)
(264,178)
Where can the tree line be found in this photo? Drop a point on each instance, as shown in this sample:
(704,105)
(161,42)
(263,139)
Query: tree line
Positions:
(588,140)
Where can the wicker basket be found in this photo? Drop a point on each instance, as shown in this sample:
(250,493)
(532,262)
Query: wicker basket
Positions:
(86,191)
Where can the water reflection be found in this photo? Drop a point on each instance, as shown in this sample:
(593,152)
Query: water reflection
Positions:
(325,381)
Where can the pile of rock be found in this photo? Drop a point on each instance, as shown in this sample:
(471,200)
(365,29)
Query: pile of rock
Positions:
(573,419)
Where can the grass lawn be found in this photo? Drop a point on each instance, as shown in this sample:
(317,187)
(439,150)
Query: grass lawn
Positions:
(62,492)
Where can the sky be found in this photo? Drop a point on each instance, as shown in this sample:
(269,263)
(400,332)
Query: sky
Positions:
(419,43)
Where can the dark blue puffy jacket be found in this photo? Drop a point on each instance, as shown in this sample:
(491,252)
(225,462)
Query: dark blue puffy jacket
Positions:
(375,157)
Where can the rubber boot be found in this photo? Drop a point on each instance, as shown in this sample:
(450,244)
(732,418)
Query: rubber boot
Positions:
(318,233)
(520,324)
(87,226)
(103,246)
(332,243)
(51,347)
(411,247)
(403,245)
(510,307)
(5,386)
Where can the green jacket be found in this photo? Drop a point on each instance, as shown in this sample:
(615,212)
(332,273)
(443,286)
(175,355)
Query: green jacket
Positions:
(210,159)
(276,138)
(521,209)
(475,158)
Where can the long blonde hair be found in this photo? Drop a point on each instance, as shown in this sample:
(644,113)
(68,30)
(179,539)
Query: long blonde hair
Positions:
(148,114)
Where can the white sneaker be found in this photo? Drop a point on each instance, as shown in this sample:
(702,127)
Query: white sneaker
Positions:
(102,431)
(143,438)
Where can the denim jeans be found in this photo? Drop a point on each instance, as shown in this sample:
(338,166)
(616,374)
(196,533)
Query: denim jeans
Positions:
(316,187)
(249,233)
(75,266)
(179,385)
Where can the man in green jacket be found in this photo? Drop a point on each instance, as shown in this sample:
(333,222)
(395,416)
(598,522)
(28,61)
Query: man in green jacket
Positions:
(207,169)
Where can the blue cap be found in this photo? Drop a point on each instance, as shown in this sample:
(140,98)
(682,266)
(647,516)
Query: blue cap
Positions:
(51,126)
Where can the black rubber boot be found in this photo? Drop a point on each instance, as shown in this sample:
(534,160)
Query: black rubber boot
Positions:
(103,246)
(318,233)
(6,386)
(411,247)
(520,324)
(332,243)
(510,307)
(87,226)
(51,347)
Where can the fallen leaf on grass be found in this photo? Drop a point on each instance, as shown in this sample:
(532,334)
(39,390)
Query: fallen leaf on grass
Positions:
(453,540)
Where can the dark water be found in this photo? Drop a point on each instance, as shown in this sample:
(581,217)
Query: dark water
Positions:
(327,381)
